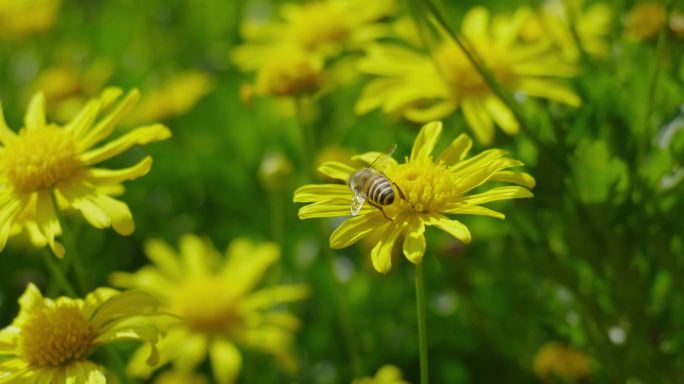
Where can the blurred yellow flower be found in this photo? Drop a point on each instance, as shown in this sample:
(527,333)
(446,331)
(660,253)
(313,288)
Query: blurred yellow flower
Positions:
(50,340)
(551,22)
(422,88)
(556,361)
(175,376)
(217,303)
(45,161)
(387,374)
(645,21)
(175,97)
(23,17)
(427,189)
(322,29)
(68,87)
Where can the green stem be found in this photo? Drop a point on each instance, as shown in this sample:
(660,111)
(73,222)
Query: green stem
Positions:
(72,256)
(572,23)
(306,134)
(422,326)
(58,273)
(118,365)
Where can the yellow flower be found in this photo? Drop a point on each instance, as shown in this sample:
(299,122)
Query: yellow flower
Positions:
(23,17)
(179,377)
(426,190)
(50,340)
(551,22)
(645,21)
(556,361)
(322,29)
(387,374)
(44,158)
(219,305)
(174,98)
(424,88)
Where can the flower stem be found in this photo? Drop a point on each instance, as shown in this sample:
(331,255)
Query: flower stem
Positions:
(72,256)
(58,273)
(422,326)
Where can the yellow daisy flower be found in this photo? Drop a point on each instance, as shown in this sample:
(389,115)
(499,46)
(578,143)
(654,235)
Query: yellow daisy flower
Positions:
(50,340)
(23,17)
(387,374)
(551,22)
(322,29)
(645,21)
(556,361)
(175,97)
(426,190)
(218,305)
(45,158)
(424,87)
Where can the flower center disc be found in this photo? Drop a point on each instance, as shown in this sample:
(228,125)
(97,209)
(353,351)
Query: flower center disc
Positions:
(319,23)
(54,335)
(205,306)
(39,158)
(425,185)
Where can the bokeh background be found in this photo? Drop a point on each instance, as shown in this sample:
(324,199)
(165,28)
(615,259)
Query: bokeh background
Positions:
(587,274)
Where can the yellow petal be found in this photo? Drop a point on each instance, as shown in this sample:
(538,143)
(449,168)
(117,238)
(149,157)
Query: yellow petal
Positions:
(6,134)
(47,221)
(35,114)
(94,300)
(380,160)
(246,264)
(499,193)
(475,24)
(502,115)
(109,176)
(466,209)
(356,228)
(479,120)
(330,208)
(225,361)
(121,307)
(520,178)
(269,297)
(336,170)
(436,111)
(381,254)
(31,299)
(414,241)
(84,119)
(457,151)
(317,192)
(118,212)
(164,257)
(453,227)
(198,257)
(426,140)
(140,136)
(105,127)
(9,209)
(9,337)
(551,90)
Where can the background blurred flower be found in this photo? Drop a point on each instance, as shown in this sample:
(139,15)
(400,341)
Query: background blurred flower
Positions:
(44,158)
(179,377)
(218,305)
(556,361)
(424,87)
(645,21)
(175,97)
(427,189)
(387,374)
(19,18)
(50,340)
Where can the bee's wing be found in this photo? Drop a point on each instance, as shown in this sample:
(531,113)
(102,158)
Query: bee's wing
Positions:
(381,160)
(356,204)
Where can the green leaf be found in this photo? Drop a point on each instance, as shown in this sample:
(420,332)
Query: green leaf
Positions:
(597,175)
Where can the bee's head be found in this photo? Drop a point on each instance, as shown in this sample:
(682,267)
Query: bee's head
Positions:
(356,179)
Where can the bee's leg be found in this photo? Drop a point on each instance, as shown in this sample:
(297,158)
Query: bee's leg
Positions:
(380,209)
(401,193)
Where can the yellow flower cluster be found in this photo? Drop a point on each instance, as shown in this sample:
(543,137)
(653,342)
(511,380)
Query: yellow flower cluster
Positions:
(555,361)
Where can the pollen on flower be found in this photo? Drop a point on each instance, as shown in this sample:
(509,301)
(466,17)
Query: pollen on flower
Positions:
(40,158)
(319,23)
(55,335)
(462,77)
(425,185)
(205,306)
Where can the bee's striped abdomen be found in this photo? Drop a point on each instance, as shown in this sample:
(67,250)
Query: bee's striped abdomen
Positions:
(380,191)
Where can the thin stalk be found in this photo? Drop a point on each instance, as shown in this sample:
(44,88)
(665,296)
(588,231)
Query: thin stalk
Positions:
(342,310)
(118,365)
(422,325)
(58,274)
(306,133)
(499,91)
(572,23)
(72,256)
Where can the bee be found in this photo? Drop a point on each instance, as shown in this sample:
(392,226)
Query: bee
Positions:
(370,184)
